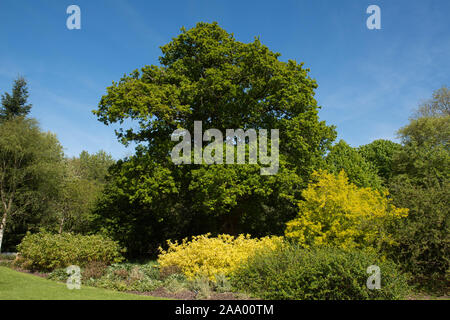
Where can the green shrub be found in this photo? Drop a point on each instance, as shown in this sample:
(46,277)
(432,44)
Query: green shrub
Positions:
(7,256)
(202,287)
(326,273)
(222,284)
(108,283)
(176,282)
(145,285)
(151,270)
(6,263)
(58,275)
(422,241)
(45,251)
(130,277)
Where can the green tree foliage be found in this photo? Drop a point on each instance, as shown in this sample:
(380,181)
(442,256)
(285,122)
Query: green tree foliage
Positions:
(437,106)
(425,151)
(141,206)
(29,168)
(380,154)
(237,199)
(359,171)
(15,104)
(81,185)
(206,75)
(92,166)
(75,200)
(421,183)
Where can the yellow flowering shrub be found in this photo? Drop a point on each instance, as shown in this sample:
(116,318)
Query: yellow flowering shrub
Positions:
(211,256)
(338,213)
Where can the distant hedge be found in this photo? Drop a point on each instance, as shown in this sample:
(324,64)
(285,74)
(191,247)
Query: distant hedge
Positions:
(45,251)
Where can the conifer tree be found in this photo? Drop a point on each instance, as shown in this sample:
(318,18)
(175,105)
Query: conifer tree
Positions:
(15,104)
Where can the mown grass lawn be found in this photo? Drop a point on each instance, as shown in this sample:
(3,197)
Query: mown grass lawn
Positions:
(16,285)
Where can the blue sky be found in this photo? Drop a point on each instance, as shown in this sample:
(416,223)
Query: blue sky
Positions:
(369,80)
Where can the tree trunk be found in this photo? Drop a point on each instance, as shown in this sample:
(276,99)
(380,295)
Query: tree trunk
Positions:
(231,223)
(7,209)
(2,228)
(61,225)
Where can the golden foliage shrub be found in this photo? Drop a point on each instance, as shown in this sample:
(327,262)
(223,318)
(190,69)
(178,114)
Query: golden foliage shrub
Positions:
(336,212)
(210,256)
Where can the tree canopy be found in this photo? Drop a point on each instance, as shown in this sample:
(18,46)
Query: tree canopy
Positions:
(15,104)
(421,182)
(82,183)
(437,106)
(359,171)
(206,75)
(29,168)
(380,154)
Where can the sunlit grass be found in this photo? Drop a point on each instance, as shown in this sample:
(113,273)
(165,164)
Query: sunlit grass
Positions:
(15,285)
